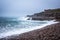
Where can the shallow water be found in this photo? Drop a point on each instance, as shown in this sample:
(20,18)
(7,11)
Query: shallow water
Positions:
(12,26)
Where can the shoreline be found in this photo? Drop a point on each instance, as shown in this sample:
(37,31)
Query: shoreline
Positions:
(21,31)
(25,36)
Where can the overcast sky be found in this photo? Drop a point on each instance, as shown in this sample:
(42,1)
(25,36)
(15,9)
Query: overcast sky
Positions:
(19,8)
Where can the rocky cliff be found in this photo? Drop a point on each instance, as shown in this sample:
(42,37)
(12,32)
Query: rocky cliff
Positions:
(48,14)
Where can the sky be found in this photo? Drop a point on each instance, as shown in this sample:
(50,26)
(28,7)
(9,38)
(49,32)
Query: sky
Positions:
(20,8)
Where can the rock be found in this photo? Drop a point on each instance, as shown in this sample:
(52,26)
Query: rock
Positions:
(49,14)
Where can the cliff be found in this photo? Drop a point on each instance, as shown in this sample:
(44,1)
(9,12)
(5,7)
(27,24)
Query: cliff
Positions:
(48,14)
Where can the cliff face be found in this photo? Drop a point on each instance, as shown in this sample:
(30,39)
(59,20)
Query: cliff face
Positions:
(49,14)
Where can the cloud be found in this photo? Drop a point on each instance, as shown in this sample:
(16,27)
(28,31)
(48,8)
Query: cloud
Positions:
(25,7)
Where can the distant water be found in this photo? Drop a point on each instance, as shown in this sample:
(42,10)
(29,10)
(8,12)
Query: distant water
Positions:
(11,26)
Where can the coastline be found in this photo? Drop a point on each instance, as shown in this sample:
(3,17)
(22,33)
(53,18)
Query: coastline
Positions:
(38,34)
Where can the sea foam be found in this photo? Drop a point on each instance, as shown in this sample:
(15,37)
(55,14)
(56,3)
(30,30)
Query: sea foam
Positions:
(23,30)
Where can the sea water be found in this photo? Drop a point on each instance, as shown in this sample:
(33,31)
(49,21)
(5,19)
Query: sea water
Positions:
(12,26)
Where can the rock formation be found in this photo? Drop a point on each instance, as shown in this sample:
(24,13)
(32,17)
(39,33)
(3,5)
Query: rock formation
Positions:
(49,14)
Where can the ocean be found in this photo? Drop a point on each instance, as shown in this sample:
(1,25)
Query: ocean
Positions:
(13,26)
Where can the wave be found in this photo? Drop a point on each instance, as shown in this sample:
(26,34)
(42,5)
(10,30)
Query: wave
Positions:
(23,30)
(22,18)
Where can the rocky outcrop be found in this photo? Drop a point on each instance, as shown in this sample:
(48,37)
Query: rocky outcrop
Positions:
(49,14)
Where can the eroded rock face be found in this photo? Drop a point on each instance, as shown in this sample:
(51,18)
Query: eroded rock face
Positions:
(57,16)
(49,14)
